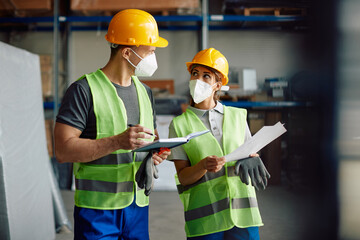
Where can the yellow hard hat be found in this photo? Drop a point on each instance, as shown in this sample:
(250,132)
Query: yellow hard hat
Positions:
(134,27)
(214,59)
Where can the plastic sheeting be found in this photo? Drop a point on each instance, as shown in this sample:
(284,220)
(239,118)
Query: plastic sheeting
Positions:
(26,209)
(61,219)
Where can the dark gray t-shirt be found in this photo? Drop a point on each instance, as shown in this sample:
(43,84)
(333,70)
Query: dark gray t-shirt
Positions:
(77,107)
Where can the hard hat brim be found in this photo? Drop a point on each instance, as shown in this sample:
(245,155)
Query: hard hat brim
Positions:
(162,42)
(225,79)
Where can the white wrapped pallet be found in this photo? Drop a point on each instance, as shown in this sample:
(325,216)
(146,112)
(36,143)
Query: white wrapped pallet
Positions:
(26,209)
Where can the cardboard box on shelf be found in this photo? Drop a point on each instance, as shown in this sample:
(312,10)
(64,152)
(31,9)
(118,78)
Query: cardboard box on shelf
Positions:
(115,5)
(264,97)
(28,8)
(49,135)
(46,84)
(256,121)
(26,5)
(260,97)
(166,85)
(45,60)
(46,75)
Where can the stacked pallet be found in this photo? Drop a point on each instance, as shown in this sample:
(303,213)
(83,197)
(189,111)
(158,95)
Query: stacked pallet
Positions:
(46,76)
(266,8)
(109,7)
(272,11)
(21,8)
(49,129)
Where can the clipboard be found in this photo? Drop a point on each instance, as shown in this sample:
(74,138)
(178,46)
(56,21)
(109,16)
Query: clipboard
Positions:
(169,142)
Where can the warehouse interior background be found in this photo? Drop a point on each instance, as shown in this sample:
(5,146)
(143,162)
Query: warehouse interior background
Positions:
(290,61)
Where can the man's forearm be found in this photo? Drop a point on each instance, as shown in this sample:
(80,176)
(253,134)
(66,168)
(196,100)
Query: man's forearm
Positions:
(69,147)
(85,150)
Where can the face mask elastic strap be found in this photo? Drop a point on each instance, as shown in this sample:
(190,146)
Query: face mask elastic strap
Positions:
(130,63)
(136,54)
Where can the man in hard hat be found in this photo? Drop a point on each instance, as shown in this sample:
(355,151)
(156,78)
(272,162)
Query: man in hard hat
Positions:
(92,131)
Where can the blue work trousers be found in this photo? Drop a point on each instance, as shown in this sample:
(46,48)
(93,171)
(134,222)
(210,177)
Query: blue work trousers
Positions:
(131,222)
(250,233)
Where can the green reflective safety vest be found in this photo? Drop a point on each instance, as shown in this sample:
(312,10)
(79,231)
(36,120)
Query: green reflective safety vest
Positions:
(109,182)
(218,201)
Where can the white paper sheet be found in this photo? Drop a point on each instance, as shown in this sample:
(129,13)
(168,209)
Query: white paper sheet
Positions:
(262,138)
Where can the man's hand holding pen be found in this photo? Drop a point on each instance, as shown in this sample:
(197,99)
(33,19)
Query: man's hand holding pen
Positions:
(138,125)
(136,132)
(132,137)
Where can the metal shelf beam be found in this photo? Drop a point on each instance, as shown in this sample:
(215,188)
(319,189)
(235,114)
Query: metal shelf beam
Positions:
(187,18)
(243,104)
(177,20)
(280,104)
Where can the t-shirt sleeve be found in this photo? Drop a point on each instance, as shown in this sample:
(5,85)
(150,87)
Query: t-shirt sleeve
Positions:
(75,105)
(177,153)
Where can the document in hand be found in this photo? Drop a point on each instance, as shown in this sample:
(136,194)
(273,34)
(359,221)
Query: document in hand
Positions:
(169,142)
(262,138)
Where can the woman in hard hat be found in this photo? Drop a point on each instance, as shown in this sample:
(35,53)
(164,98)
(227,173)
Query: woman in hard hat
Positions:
(217,204)
(92,132)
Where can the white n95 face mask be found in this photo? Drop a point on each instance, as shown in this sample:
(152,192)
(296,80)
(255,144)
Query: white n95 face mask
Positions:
(146,67)
(200,90)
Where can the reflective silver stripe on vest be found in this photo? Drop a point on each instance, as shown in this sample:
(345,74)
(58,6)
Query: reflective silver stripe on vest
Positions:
(236,203)
(207,177)
(102,186)
(207,210)
(121,158)
(114,159)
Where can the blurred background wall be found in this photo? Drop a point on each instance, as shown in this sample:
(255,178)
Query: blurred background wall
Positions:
(270,53)
(348,116)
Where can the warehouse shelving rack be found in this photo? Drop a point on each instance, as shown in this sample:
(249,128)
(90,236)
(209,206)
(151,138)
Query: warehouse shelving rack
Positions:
(202,23)
(181,23)
(62,26)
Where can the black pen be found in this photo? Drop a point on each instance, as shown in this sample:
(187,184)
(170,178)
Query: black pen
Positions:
(132,125)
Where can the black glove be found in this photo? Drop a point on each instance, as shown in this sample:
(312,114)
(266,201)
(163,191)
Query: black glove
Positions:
(254,168)
(146,174)
(140,174)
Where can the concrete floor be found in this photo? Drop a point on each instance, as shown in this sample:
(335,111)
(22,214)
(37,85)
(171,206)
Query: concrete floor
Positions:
(286,214)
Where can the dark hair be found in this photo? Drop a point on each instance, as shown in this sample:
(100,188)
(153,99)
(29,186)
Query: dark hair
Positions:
(217,79)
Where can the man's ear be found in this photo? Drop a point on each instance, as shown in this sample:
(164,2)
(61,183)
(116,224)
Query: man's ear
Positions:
(125,52)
